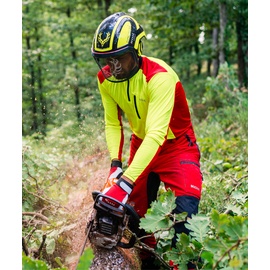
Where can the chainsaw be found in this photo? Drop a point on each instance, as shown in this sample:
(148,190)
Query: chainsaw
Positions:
(111,226)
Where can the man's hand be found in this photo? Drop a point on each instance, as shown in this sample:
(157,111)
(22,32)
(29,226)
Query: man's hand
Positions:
(116,170)
(119,191)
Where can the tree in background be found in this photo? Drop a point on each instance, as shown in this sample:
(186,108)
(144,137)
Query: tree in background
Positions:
(59,81)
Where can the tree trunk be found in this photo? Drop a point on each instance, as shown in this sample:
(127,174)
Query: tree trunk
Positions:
(170,54)
(43,103)
(242,48)
(199,64)
(222,27)
(209,62)
(215,52)
(75,85)
(107,5)
(31,81)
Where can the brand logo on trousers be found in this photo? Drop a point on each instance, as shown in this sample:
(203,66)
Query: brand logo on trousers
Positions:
(195,187)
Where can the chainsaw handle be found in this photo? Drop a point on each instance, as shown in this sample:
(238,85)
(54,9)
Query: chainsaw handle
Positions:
(133,226)
(130,244)
(101,205)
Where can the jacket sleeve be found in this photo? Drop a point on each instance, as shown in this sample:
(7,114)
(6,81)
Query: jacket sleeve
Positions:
(113,124)
(161,102)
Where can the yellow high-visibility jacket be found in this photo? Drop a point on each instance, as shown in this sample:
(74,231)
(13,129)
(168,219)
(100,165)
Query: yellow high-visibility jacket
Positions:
(155,104)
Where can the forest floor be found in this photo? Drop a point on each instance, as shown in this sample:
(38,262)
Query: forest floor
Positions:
(84,177)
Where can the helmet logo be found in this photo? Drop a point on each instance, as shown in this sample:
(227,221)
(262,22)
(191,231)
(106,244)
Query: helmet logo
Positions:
(103,41)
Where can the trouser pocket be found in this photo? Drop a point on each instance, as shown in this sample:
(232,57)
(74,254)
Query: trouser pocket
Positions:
(192,178)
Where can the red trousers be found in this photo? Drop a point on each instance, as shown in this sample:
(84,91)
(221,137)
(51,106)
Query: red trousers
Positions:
(177,165)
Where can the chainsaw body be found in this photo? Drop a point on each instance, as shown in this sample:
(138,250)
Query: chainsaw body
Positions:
(110,226)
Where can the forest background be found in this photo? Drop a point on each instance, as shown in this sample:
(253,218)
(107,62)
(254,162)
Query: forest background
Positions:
(59,94)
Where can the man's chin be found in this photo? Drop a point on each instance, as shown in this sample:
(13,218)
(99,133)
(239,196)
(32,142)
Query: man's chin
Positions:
(120,76)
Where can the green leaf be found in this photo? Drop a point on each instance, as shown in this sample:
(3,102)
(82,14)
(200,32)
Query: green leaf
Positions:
(58,260)
(219,221)
(235,229)
(214,245)
(50,246)
(235,263)
(199,226)
(86,259)
(208,256)
(159,215)
(154,221)
(181,216)
(184,239)
(32,264)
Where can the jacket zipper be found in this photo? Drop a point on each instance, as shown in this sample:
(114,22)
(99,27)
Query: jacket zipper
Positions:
(135,102)
(128,90)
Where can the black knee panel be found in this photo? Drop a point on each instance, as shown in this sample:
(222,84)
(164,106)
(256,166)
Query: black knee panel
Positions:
(187,204)
(153,182)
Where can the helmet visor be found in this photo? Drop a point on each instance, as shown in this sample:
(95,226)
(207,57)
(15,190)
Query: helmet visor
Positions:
(119,68)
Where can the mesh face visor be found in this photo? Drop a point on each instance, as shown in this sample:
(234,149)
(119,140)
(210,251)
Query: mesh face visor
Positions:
(111,67)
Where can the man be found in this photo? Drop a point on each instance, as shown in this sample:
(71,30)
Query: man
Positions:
(163,144)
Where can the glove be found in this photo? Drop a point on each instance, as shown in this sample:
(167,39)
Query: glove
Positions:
(119,191)
(116,170)
(114,174)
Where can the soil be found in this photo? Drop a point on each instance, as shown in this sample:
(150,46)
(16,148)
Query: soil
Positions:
(86,176)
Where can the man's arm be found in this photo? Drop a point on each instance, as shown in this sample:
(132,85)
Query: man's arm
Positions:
(113,125)
(162,91)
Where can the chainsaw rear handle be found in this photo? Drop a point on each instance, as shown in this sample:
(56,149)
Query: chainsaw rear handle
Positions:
(130,244)
(133,225)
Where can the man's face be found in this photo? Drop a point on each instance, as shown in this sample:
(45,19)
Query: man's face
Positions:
(121,66)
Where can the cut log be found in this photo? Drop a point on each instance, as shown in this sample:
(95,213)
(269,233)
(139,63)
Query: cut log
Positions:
(115,259)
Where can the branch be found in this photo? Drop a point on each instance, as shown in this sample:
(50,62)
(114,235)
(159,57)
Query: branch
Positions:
(24,246)
(33,222)
(36,215)
(46,200)
(37,253)
(212,164)
(164,229)
(239,241)
(29,235)
(239,183)
(140,245)
(29,174)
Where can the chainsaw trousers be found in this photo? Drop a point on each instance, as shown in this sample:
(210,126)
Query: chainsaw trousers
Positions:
(177,165)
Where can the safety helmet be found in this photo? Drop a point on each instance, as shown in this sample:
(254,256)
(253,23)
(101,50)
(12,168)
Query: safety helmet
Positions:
(116,35)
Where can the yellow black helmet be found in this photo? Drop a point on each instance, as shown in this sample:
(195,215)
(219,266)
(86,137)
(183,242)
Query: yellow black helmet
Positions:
(117,34)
